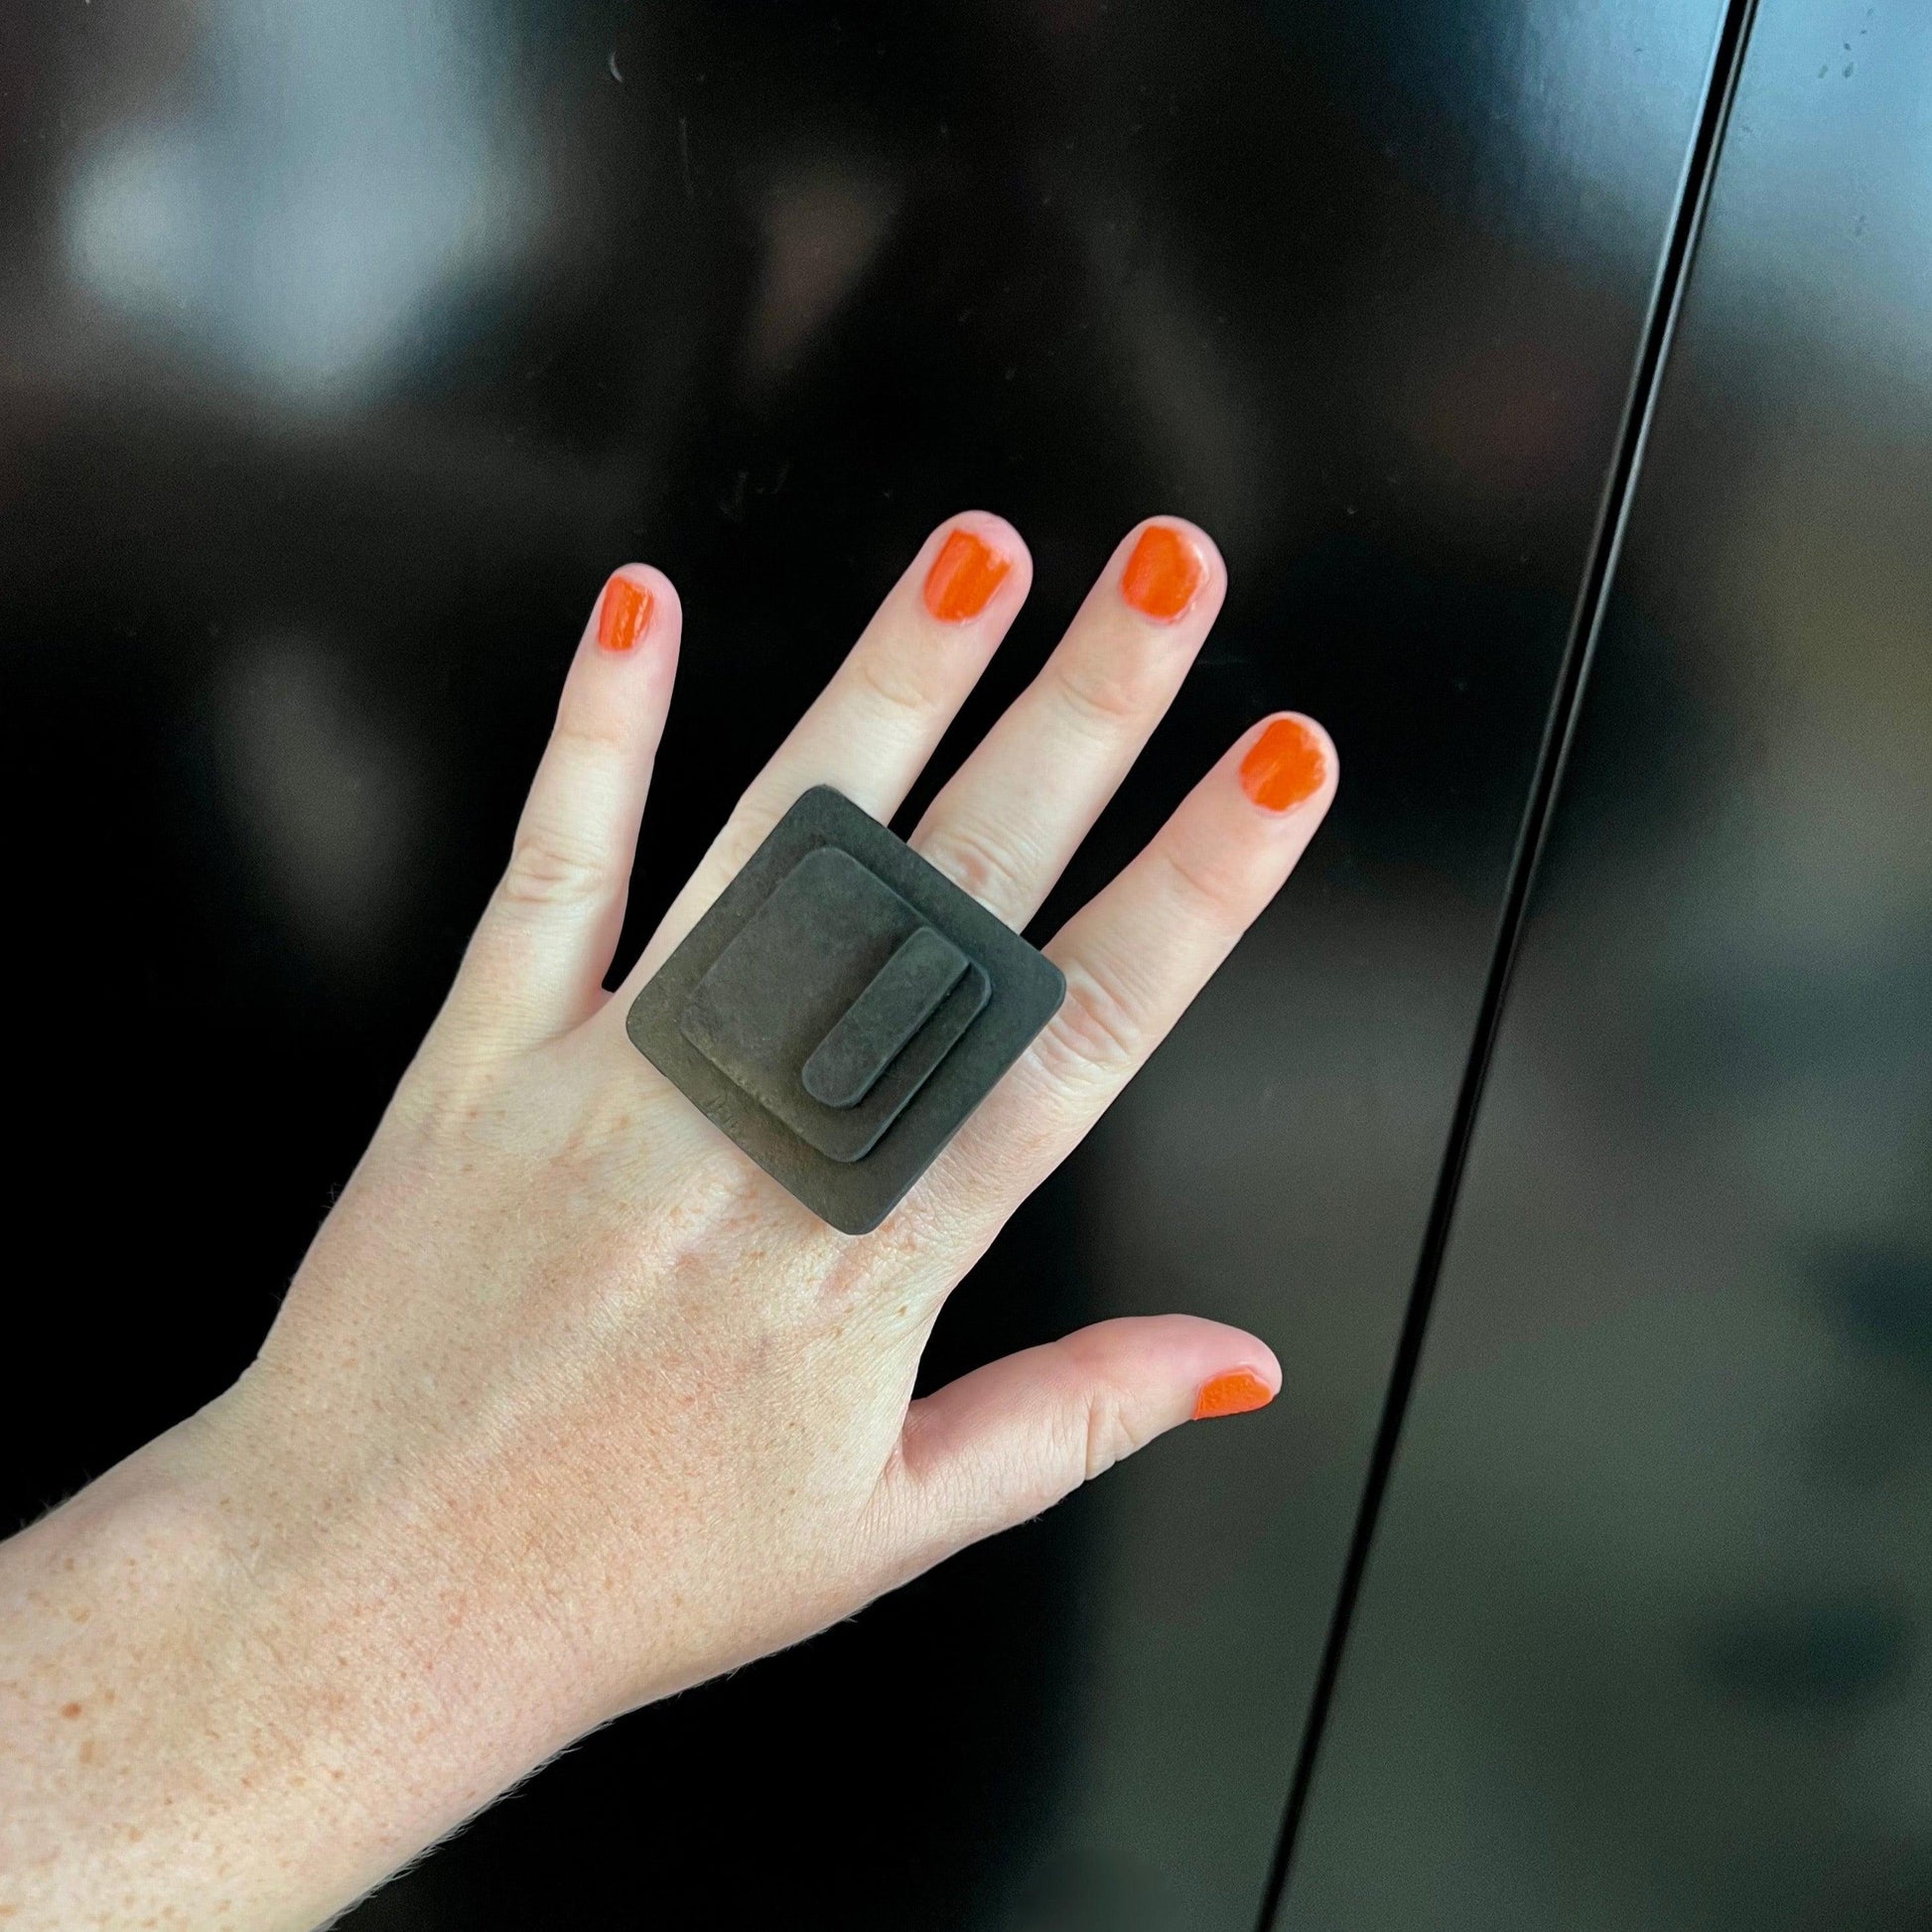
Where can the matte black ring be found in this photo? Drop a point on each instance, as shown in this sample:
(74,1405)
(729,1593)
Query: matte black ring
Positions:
(841,1008)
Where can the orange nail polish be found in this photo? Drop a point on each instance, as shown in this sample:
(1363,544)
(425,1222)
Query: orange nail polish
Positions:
(1284,765)
(1163,574)
(963,576)
(624,615)
(1233,1394)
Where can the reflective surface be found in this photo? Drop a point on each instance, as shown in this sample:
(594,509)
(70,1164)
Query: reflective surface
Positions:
(1642,1642)
(344,346)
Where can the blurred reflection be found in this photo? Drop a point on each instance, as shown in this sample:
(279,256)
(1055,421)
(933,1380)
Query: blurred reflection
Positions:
(313,189)
(325,804)
(822,227)
(1644,1635)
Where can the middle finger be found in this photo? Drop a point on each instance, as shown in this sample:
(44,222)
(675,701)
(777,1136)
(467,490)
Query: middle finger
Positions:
(1016,811)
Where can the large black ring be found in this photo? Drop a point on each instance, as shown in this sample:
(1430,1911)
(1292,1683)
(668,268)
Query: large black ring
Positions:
(841,1008)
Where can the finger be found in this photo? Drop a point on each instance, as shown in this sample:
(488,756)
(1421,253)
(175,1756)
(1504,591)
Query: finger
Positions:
(872,728)
(1137,954)
(1009,1440)
(535,967)
(1016,811)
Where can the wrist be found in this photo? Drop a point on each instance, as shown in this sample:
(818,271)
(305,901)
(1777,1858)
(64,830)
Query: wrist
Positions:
(384,1656)
(214,1688)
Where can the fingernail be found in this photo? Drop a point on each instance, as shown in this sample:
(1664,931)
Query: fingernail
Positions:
(963,576)
(1163,574)
(624,615)
(1284,765)
(1233,1394)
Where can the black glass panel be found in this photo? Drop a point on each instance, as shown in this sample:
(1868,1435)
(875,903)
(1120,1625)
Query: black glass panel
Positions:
(1642,1645)
(343,347)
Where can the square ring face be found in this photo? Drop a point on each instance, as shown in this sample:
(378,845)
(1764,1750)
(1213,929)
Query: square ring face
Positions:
(841,1009)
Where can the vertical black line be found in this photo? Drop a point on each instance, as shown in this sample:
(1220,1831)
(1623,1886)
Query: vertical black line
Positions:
(1607,542)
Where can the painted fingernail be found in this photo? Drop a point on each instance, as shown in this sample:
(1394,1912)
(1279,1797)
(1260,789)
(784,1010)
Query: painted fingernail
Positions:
(624,615)
(1163,574)
(1233,1394)
(963,576)
(1284,765)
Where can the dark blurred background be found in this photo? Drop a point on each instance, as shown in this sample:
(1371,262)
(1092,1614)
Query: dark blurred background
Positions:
(344,346)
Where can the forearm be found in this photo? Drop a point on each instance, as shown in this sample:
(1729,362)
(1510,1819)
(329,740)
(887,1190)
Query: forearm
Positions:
(201,1724)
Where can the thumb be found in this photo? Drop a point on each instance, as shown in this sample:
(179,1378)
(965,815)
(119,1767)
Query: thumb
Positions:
(1009,1440)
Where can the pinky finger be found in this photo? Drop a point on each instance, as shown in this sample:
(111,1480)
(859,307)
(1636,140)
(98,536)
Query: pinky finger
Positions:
(535,967)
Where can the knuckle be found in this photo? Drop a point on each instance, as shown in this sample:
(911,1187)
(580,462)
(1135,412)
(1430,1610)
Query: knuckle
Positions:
(991,869)
(752,821)
(1204,894)
(1111,1434)
(591,733)
(894,679)
(549,868)
(1094,1030)
(1107,694)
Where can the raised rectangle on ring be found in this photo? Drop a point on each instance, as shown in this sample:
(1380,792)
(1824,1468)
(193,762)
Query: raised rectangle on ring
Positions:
(874,1029)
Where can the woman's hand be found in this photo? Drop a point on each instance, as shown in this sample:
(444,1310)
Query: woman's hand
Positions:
(569,1404)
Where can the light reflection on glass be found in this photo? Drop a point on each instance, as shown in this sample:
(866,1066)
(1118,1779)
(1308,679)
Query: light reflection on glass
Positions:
(321,183)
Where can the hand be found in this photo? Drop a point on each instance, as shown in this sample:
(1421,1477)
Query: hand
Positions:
(569,1404)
